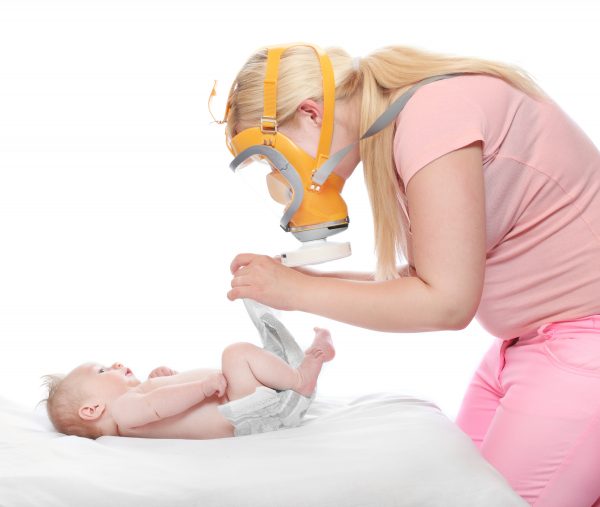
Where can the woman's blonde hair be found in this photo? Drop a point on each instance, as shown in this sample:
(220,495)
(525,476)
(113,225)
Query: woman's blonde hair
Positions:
(381,77)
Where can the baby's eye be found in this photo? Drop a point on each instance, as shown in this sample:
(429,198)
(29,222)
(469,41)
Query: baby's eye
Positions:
(101,370)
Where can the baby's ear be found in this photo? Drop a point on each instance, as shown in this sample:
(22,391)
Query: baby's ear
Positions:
(91,411)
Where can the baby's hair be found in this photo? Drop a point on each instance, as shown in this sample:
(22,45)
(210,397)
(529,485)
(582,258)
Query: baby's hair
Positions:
(62,404)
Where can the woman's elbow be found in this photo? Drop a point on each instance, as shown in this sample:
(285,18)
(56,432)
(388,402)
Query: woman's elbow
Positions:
(459,316)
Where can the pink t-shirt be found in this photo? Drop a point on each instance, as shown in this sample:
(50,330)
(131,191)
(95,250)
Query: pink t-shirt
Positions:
(542,196)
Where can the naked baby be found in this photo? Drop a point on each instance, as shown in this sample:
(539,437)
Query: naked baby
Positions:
(94,400)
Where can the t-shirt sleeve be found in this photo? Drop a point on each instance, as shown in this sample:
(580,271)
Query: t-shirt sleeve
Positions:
(436,120)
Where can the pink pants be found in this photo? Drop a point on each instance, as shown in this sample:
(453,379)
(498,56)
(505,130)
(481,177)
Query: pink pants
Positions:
(533,409)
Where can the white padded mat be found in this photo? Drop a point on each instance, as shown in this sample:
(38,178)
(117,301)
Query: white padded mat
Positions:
(378,450)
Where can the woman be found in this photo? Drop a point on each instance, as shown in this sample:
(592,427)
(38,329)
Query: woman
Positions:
(502,191)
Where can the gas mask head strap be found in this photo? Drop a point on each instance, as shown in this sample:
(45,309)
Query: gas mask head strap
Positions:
(268,121)
(389,115)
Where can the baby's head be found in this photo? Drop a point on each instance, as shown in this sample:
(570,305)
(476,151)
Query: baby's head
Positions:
(78,403)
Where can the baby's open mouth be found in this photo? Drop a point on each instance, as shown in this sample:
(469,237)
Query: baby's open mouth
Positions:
(128,372)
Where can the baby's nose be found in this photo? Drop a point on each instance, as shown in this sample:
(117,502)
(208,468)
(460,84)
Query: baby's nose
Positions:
(117,365)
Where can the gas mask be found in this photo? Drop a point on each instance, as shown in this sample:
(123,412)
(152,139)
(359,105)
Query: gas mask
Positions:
(305,186)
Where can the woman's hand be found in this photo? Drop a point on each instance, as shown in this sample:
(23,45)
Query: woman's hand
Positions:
(267,281)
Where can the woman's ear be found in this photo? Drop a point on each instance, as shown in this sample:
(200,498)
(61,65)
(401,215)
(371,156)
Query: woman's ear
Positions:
(91,411)
(312,111)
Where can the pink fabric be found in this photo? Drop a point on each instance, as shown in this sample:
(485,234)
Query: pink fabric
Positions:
(542,193)
(533,409)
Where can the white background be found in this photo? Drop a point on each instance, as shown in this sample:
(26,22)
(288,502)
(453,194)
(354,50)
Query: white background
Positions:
(119,216)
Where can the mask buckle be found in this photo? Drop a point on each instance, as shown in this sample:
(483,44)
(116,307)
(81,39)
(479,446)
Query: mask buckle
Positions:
(268,129)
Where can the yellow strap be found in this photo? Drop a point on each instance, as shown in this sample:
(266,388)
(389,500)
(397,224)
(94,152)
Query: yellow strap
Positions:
(270,90)
(270,95)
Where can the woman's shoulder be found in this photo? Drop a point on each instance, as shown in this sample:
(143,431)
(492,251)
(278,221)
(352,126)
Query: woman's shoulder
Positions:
(469,83)
(481,89)
(474,100)
(445,115)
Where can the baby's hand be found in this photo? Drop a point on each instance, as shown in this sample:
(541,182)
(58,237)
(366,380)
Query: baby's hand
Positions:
(162,371)
(214,383)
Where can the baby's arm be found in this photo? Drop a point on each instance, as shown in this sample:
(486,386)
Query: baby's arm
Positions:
(136,409)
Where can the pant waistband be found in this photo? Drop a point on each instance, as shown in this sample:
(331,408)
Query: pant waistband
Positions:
(544,328)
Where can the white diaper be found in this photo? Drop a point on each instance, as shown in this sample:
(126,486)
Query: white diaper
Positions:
(268,409)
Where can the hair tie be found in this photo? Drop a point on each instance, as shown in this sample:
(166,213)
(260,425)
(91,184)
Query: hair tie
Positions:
(356,63)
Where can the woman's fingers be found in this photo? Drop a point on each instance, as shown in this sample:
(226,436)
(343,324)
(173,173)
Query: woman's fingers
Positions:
(264,279)
(241,260)
(245,259)
(240,280)
(243,292)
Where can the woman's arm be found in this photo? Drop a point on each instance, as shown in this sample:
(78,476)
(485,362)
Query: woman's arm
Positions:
(446,199)
(405,304)
(405,270)
(447,203)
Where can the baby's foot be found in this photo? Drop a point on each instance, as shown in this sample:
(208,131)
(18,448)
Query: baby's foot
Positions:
(322,344)
(320,351)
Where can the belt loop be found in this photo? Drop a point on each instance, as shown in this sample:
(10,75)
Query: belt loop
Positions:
(502,359)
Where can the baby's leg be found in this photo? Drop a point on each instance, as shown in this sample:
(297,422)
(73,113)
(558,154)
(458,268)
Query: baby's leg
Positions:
(246,366)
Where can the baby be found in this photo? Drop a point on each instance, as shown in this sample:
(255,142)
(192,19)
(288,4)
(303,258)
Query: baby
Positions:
(95,400)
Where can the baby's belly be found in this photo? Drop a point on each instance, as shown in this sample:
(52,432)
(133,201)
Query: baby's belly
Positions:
(199,422)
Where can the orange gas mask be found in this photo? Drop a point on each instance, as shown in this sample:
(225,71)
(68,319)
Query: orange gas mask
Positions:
(306,186)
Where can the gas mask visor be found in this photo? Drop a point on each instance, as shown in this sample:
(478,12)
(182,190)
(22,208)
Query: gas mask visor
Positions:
(264,168)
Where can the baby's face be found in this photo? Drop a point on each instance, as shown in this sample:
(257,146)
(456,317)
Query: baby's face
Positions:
(105,382)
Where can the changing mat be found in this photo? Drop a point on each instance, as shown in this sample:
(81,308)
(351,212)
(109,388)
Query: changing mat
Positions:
(380,450)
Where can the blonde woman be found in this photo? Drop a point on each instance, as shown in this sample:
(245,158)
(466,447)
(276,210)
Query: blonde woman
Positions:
(501,192)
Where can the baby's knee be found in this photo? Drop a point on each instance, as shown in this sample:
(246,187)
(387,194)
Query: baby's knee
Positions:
(236,351)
